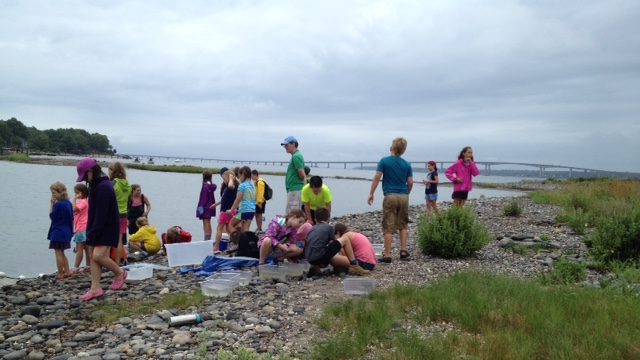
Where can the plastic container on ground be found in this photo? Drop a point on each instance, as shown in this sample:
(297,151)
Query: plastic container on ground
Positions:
(218,287)
(192,253)
(379,249)
(272,272)
(294,270)
(359,285)
(139,271)
(224,275)
(243,277)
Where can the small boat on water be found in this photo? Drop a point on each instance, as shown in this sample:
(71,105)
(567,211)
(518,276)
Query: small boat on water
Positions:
(136,160)
(177,160)
(150,162)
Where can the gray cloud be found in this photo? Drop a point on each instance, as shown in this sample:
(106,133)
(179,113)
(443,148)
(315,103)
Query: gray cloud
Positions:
(522,81)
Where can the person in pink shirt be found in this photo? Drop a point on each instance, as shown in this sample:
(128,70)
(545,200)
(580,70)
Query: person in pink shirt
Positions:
(362,248)
(461,174)
(80,217)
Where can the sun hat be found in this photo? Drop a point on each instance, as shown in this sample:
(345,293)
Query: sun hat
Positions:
(83,166)
(289,140)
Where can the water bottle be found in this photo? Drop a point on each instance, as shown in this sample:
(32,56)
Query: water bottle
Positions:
(181,320)
(224,242)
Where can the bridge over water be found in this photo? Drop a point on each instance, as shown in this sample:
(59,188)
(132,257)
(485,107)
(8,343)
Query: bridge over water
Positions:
(486,167)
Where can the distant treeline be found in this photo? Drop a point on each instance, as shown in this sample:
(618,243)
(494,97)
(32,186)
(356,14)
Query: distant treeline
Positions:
(16,136)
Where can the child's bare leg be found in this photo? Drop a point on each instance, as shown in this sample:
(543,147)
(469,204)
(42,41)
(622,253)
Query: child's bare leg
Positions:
(62,263)
(79,255)
(340,261)
(135,246)
(219,231)
(293,251)
(119,250)
(388,238)
(101,258)
(88,254)
(206,225)
(265,250)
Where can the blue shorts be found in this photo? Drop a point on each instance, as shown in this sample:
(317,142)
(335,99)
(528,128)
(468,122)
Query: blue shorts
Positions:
(366,265)
(247,216)
(80,237)
(431,197)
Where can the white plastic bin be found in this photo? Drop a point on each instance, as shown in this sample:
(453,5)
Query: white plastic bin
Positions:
(139,271)
(217,287)
(272,272)
(359,285)
(242,277)
(294,270)
(192,253)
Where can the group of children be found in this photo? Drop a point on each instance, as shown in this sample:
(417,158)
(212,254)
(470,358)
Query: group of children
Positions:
(69,222)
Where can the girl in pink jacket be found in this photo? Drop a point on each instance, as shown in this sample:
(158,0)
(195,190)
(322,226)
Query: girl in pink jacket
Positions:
(461,174)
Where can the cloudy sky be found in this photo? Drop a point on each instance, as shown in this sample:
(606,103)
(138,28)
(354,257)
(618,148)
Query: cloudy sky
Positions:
(536,81)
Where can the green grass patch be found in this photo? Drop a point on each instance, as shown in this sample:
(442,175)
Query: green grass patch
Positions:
(110,313)
(494,317)
(18,157)
(564,272)
(513,209)
(452,233)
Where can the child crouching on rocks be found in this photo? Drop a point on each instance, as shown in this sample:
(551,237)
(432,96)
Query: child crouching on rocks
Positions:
(323,249)
(174,235)
(280,237)
(362,248)
(145,239)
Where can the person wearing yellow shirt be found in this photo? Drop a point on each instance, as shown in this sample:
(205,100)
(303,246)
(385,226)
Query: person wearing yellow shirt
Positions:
(145,239)
(261,202)
(315,195)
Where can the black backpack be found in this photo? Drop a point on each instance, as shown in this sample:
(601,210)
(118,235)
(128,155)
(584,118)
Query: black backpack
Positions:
(248,245)
(268,191)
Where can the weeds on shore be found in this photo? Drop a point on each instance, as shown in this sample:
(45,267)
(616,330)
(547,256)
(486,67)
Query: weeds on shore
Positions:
(491,317)
(564,272)
(513,209)
(612,207)
(453,233)
(110,313)
(18,157)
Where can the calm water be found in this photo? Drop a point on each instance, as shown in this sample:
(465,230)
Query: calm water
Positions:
(24,205)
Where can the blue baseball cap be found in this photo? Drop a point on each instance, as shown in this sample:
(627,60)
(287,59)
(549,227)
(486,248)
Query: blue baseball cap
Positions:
(289,140)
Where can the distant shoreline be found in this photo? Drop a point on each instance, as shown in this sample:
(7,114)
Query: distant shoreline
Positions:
(524,185)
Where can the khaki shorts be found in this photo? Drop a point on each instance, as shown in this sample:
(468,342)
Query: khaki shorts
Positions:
(395,213)
(293,201)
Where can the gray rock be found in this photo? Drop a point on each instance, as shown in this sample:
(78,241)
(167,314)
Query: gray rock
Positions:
(252,320)
(125,321)
(37,339)
(274,324)
(15,355)
(264,329)
(506,242)
(36,355)
(33,310)
(111,356)
(52,324)
(181,338)
(29,319)
(17,300)
(46,300)
(86,336)
(520,237)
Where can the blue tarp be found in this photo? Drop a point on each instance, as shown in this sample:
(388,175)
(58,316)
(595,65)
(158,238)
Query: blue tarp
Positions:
(212,264)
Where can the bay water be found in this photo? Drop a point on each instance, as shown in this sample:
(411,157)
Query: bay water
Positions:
(25,196)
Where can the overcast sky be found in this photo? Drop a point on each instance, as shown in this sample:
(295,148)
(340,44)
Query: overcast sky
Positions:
(536,81)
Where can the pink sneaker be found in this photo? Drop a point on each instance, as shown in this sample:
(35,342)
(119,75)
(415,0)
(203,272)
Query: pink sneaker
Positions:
(92,294)
(119,283)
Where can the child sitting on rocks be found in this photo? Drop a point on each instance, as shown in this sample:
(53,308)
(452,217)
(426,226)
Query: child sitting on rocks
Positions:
(323,249)
(280,237)
(145,239)
(362,248)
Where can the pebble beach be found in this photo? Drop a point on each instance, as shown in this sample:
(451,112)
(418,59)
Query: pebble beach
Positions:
(42,318)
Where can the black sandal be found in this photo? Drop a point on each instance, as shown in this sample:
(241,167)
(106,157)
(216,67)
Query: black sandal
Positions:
(385,259)
(404,255)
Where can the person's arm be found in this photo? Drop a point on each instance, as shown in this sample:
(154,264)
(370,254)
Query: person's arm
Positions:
(302,175)
(374,186)
(474,169)
(436,180)
(451,173)
(328,207)
(307,212)
(236,203)
(410,183)
(147,204)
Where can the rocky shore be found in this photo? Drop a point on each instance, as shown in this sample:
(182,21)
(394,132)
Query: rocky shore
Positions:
(42,318)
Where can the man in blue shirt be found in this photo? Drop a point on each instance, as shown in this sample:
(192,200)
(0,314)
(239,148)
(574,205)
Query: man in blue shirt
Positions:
(397,181)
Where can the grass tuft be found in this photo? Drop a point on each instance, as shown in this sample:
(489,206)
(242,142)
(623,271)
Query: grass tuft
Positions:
(453,233)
